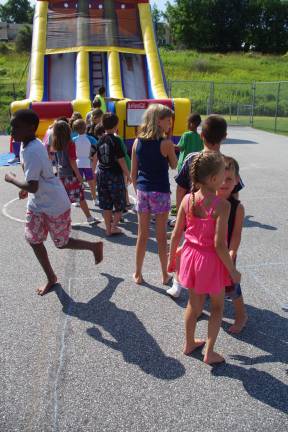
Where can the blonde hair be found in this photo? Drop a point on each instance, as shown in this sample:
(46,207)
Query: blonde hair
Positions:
(149,128)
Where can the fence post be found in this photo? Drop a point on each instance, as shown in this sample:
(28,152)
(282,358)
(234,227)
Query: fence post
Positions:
(253,102)
(212,88)
(277,106)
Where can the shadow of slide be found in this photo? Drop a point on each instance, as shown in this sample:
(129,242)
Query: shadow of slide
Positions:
(130,336)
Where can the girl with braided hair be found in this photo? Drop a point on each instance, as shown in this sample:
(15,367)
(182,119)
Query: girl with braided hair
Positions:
(205,264)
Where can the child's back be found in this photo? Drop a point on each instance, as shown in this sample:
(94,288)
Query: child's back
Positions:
(83,147)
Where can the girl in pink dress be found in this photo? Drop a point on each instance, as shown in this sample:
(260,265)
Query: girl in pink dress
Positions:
(205,264)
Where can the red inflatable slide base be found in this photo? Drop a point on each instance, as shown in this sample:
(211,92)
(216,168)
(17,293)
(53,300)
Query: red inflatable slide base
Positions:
(52,110)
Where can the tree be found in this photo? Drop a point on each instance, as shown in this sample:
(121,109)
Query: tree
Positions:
(16,11)
(159,25)
(24,39)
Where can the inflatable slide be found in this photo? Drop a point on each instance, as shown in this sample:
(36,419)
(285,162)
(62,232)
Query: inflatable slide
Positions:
(81,45)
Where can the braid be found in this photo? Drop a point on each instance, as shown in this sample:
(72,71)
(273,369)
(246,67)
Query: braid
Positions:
(195,176)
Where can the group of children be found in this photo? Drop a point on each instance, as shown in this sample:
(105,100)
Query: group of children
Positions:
(210,215)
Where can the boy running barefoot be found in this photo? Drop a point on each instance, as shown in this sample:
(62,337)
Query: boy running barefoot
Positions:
(48,208)
(235,225)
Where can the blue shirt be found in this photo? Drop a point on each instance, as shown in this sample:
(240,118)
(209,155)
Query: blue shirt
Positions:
(153,167)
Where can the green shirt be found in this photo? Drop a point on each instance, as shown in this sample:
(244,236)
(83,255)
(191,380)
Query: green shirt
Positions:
(189,142)
(103,103)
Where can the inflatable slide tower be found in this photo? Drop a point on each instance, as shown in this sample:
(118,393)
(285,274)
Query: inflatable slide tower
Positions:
(81,45)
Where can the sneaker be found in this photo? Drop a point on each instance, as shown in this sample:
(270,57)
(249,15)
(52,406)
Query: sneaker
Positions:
(96,202)
(14,160)
(93,221)
(76,204)
(171,223)
(285,307)
(175,290)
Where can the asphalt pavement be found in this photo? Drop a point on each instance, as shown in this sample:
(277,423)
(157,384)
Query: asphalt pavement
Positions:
(103,354)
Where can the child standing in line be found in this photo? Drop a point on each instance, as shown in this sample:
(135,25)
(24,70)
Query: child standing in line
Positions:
(96,119)
(235,225)
(205,263)
(152,154)
(111,170)
(68,172)
(190,142)
(48,208)
(83,143)
(75,116)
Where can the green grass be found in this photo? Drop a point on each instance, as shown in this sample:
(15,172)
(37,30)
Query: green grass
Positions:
(186,66)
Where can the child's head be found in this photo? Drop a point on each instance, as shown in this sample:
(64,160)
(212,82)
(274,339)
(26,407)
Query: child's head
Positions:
(231,178)
(96,116)
(110,122)
(207,169)
(79,126)
(61,135)
(102,91)
(75,116)
(214,130)
(24,124)
(99,131)
(157,122)
(96,103)
(194,120)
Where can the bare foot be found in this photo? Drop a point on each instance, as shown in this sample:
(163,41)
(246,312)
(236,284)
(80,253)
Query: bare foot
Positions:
(98,252)
(166,279)
(114,231)
(138,279)
(238,325)
(213,358)
(44,289)
(189,348)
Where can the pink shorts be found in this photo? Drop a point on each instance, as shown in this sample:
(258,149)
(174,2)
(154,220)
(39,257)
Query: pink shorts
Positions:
(38,225)
(153,202)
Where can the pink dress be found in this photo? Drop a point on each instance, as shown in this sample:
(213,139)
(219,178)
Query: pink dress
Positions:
(200,267)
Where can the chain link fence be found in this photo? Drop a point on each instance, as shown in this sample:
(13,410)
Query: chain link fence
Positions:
(263,105)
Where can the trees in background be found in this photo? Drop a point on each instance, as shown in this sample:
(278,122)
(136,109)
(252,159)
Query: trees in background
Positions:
(229,25)
(16,11)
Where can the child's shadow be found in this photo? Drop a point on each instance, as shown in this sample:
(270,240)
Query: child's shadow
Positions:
(131,338)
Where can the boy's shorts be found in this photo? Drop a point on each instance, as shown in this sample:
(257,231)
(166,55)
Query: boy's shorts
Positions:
(86,173)
(111,191)
(39,224)
(153,202)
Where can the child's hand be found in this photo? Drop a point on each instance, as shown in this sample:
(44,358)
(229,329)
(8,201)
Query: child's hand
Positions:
(10,177)
(22,194)
(171,267)
(236,276)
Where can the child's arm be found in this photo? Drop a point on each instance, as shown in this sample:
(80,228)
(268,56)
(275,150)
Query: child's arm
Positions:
(124,168)
(134,165)
(169,152)
(176,236)
(223,212)
(237,231)
(26,186)
(76,170)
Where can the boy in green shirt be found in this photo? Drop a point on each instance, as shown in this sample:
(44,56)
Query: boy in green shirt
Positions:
(190,141)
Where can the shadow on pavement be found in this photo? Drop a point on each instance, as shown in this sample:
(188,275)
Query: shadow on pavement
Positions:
(131,338)
(238,141)
(268,332)
(248,223)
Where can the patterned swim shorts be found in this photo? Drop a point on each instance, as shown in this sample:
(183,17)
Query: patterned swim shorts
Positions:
(38,225)
(111,190)
(74,189)
(153,202)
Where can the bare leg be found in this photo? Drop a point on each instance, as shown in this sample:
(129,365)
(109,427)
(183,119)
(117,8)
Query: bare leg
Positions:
(42,256)
(108,218)
(114,225)
(85,209)
(95,247)
(161,235)
(191,315)
(240,316)
(92,185)
(217,306)
(143,234)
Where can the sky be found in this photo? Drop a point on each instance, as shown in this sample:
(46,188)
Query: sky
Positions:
(159,3)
